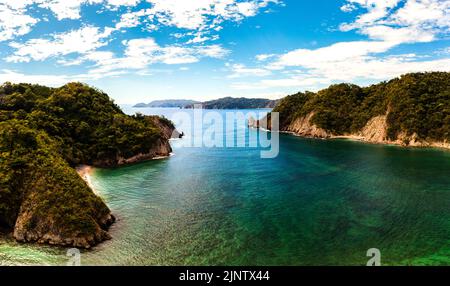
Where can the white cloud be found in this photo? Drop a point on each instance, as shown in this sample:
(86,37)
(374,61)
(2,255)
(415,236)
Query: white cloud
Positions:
(264,57)
(339,52)
(140,53)
(65,9)
(16,20)
(204,16)
(70,9)
(13,20)
(80,41)
(309,83)
(405,21)
(348,8)
(320,74)
(398,35)
(52,79)
(239,71)
(200,20)
(49,80)
(212,51)
(387,24)
(123,2)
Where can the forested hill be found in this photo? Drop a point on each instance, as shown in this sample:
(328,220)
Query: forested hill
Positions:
(413,109)
(46,132)
(238,103)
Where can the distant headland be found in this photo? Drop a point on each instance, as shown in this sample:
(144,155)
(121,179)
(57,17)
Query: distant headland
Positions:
(222,103)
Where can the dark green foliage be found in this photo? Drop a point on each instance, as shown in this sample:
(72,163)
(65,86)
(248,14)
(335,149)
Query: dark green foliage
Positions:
(337,113)
(88,126)
(34,173)
(292,107)
(420,103)
(237,103)
(417,103)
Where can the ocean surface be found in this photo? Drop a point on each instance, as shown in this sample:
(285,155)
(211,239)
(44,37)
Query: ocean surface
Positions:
(317,203)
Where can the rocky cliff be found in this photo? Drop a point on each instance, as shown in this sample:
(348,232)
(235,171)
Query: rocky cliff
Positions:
(375,131)
(81,222)
(412,110)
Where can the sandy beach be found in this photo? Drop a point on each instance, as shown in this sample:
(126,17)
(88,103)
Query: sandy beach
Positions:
(85,173)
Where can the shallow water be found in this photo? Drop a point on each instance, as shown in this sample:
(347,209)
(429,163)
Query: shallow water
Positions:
(317,203)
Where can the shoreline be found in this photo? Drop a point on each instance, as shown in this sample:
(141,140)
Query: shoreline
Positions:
(356,138)
(86,171)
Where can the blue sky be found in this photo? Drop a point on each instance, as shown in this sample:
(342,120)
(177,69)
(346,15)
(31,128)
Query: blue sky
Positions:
(142,50)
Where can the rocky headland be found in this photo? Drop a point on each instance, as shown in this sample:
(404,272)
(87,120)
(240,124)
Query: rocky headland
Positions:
(413,110)
(45,134)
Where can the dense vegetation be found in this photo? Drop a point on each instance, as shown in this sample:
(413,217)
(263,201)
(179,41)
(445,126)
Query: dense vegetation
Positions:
(170,103)
(86,125)
(237,103)
(417,103)
(34,177)
(44,133)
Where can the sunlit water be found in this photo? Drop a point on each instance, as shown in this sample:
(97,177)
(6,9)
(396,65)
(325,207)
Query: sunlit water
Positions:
(318,203)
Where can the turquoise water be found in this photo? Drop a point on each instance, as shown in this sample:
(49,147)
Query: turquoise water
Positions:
(317,203)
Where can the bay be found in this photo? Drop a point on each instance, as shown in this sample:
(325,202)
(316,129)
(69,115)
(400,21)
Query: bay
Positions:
(317,203)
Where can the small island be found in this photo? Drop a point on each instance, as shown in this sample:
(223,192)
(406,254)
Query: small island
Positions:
(45,133)
(412,110)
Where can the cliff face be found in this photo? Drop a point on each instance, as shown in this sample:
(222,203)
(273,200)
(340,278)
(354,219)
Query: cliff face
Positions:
(32,226)
(302,126)
(375,131)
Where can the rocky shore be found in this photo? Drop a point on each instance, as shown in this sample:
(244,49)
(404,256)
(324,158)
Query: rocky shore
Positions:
(374,132)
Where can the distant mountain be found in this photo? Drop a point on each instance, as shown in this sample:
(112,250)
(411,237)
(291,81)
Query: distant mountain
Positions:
(238,103)
(170,103)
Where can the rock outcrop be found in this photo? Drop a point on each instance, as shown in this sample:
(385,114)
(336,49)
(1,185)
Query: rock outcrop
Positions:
(375,131)
(302,126)
(160,148)
(46,231)
(411,110)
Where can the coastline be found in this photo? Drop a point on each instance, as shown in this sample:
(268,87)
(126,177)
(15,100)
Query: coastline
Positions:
(86,171)
(398,143)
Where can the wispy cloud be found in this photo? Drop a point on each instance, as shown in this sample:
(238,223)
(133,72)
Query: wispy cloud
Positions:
(239,71)
(387,24)
(198,23)
(204,17)
(401,21)
(141,53)
(81,41)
